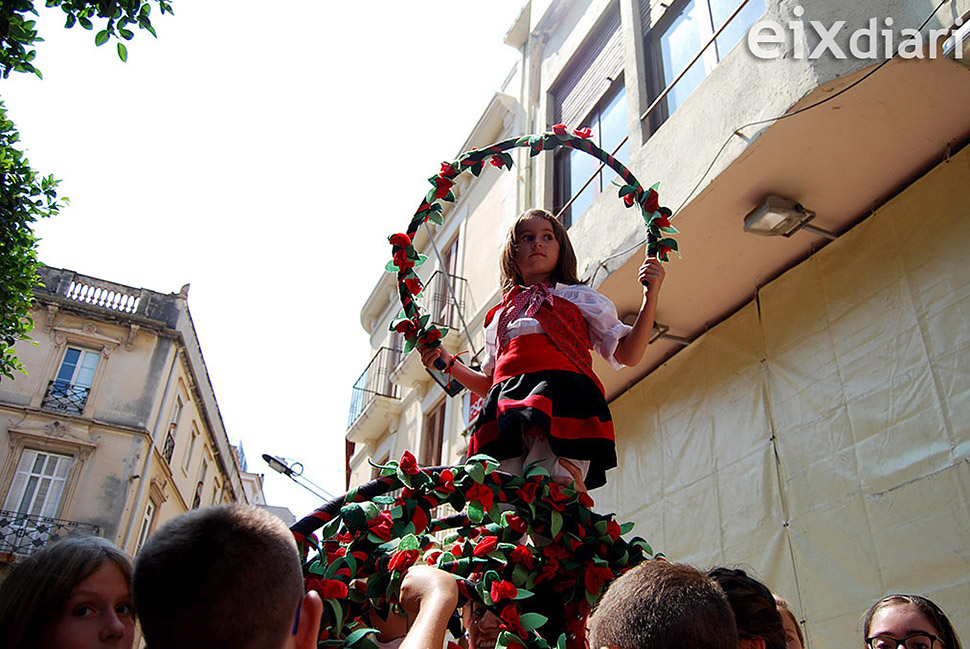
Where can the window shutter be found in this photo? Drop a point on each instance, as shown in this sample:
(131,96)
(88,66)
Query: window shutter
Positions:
(587,77)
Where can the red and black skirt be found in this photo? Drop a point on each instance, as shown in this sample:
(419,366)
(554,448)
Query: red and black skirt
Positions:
(565,404)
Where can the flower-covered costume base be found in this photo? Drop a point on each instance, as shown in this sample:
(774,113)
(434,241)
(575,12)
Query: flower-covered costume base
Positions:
(537,349)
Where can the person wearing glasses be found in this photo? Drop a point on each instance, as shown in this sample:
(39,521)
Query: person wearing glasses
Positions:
(908,622)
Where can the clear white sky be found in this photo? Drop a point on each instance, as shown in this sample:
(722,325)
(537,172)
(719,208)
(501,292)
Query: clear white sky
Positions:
(261,152)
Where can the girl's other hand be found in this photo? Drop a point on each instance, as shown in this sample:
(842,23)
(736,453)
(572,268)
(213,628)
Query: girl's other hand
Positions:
(430,354)
(652,274)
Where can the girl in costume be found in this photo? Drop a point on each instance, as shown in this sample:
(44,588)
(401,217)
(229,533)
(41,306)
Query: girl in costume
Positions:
(543,402)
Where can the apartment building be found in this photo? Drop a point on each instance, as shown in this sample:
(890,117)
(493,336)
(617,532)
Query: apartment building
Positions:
(802,409)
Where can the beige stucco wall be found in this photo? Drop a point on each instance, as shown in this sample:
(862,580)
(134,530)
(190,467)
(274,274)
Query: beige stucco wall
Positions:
(819,436)
(131,400)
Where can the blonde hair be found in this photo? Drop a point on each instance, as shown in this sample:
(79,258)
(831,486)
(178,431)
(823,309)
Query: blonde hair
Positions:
(565,270)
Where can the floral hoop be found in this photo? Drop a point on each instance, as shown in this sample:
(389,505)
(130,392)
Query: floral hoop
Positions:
(404,258)
(369,538)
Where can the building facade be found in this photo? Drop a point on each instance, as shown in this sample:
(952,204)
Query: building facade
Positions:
(802,409)
(115,428)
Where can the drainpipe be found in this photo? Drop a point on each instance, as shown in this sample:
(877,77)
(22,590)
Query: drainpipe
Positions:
(151,449)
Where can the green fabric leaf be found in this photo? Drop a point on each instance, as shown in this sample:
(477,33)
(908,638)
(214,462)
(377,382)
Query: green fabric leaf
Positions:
(522,593)
(338,615)
(625,528)
(556,525)
(532,621)
(476,471)
(356,636)
(409,542)
(475,512)
(317,568)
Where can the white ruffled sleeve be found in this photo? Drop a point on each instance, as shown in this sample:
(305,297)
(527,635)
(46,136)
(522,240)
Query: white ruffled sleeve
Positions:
(605,328)
(491,344)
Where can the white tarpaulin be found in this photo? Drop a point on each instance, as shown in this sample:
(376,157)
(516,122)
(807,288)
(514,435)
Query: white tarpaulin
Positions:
(820,436)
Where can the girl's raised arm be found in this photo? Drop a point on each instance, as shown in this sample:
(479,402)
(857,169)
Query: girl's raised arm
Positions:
(630,349)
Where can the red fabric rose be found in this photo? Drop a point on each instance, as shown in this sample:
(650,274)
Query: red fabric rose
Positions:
(443,186)
(502,589)
(516,523)
(447,484)
(597,577)
(527,492)
(630,199)
(402,559)
(328,588)
(380,526)
(652,203)
(585,500)
(496,161)
(401,259)
(662,221)
(408,464)
(550,570)
(430,336)
(413,285)
(482,494)
(400,239)
(560,129)
(584,132)
(663,250)
(447,169)
(509,620)
(522,554)
(613,529)
(486,545)
(432,558)
(557,499)
(335,554)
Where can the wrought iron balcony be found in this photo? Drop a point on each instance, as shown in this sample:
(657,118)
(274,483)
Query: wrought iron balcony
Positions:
(169,447)
(436,298)
(23,534)
(65,397)
(375,381)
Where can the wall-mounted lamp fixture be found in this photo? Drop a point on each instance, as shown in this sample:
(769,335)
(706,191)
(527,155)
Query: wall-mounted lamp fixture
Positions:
(782,216)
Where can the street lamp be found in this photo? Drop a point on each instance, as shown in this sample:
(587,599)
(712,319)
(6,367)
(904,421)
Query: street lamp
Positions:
(291,472)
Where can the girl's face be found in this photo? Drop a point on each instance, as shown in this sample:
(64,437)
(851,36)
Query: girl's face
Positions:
(537,251)
(898,621)
(98,614)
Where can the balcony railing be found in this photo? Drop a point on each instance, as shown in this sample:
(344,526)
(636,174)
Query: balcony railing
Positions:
(375,381)
(65,397)
(105,294)
(22,534)
(437,299)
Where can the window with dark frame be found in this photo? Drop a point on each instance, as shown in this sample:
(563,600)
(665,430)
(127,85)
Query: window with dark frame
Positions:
(679,35)
(574,169)
(69,390)
(590,93)
(434,433)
